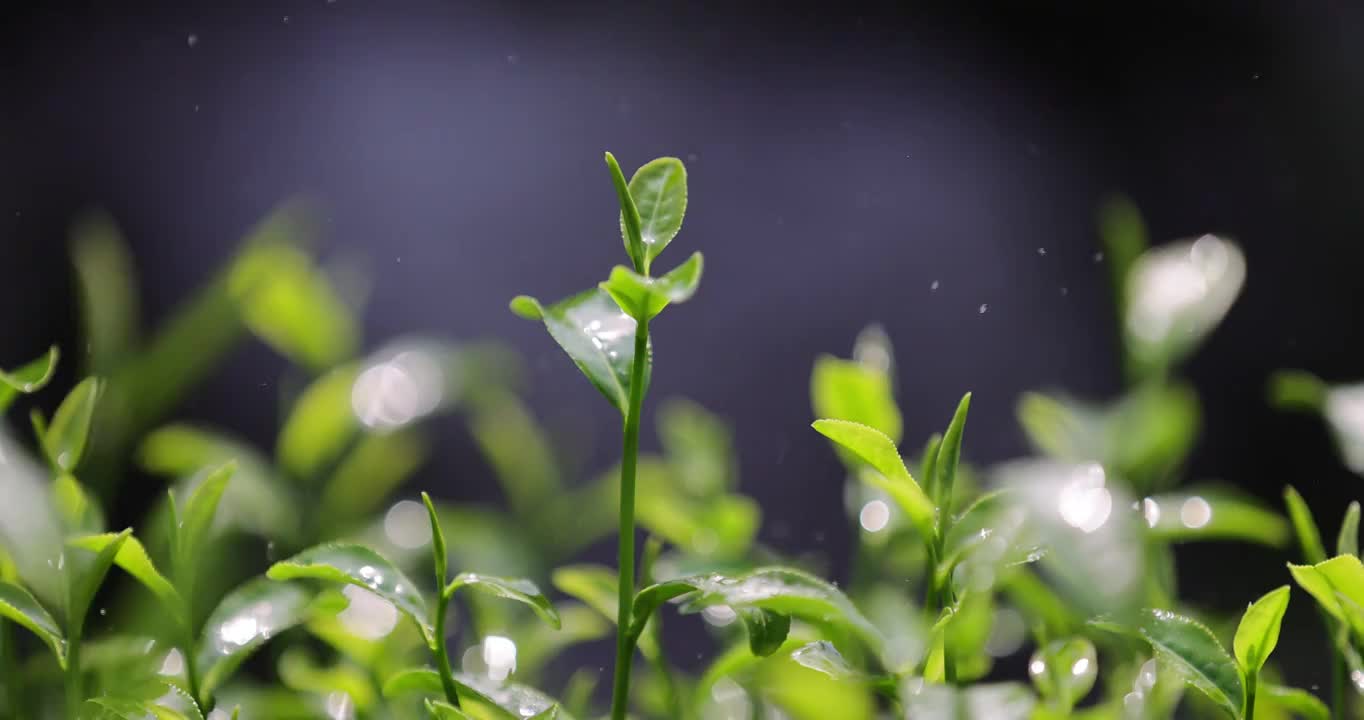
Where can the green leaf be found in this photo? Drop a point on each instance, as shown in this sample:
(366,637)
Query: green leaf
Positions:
(767,630)
(299,671)
(65,439)
(658,191)
(851,390)
(699,447)
(1300,703)
(1191,649)
(79,512)
(1064,671)
(800,692)
(629,216)
(1297,390)
(195,523)
(644,297)
(518,589)
(108,287)
(18,605)
(320,425)
(594,585)
(28,378)
(438,552)
(949,454)
(878,451)
(1213,514)
(445,711)
(517,449)
(1258,633)
(245,620)
(1338,586)
(508,701)
(369,472)
(114,708)
(360,566)
(87,574)
(1176,294)
(1347,542)
(133,558)
(1309,537)
(598,337)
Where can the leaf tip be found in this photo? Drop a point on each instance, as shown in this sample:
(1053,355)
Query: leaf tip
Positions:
(527,307)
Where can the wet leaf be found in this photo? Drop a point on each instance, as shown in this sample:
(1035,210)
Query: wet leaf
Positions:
(360,566)
(66,436)
(28,378)
(321,424)
(800,692)
(1347,541)
(767,630)
(439,556)
(1309,537)
(245,620)
(853,391)
(1191,649)
(1064,671)
(87,570)
(658,193)
(19,606)
(1258,633)
(597,335)
(878,451)
(642,297)
(509,701)
(518,589)
(133,558)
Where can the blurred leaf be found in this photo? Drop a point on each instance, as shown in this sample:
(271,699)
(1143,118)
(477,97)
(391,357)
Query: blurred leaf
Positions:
(86,573)
(1258,633)
(244,621)
(767,630)
(853,391)
(1343,416)
(1123,233)
(108,288)
(78,511)
(1347,541)
(28,378)
(1151,431)
(596,334)
(413,681)
(1064,671)
(1062,428)
(113,708)
(321,424)
(443,711)
(290,304)
(997,701)
(722,526)
(803,693)
(1175,295)
(362,567)
(510,701)
(65,439)
(1213,514)
(594,585)
(133,558)
(1300,703)
(299,671)
(1297,390)
(1338,586)
(377,465)
(1194,653)
(878,451)
(949,455)
(643,297)
(518,589)
(1309,537)
(196,522)
(659,193)
(18,605)
(518,451)
(699,447)
(539,642)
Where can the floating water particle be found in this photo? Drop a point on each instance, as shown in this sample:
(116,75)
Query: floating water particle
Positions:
(499,654)
(406,525)
(192,40)
(719,615)
(1150,510)
(984,307)
(934,286)
(367,616)
(173,664)
(1084,503)
(1098,257)
(1195,513)
(1041,251)
(874,516)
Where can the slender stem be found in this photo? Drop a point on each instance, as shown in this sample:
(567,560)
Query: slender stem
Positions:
(447,676)
(620,693)
(9,670)
(192,668)
(1252,679)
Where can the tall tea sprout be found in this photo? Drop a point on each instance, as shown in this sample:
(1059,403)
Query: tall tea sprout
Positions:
(605,331)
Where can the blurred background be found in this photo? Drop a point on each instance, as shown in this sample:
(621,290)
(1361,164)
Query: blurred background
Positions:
(936,170)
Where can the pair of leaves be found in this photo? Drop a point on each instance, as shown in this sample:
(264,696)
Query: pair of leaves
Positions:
(652,206)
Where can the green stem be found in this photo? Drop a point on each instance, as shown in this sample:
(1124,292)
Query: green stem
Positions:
(192,670)
(620,693)
(9,670)
(1252,679)
(447,676)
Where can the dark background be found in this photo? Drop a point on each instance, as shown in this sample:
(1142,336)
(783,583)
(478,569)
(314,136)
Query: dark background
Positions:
(842,159)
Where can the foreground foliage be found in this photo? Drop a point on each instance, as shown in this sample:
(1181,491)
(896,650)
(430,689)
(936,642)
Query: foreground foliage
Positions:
(1057,567)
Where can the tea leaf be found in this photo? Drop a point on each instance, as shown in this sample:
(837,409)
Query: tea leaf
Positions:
(112,708)
(594,585)
(659,191)
(244,621)
(87,574)
(1338,586)
(65,439)
(629,216)
(133,558)
(360,566)
(28,378)
(643,297)
(320,425)
(518,589)
(1298,702)
(194,525)
(1258,633)
(1347,542)
(18,605)
(849,390)
(1309,537)
(1192,650)
(767,630)
(444,711)
(949,454)
(438,552)
(508,701)
(878,451)
(596,334)
(79,513)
